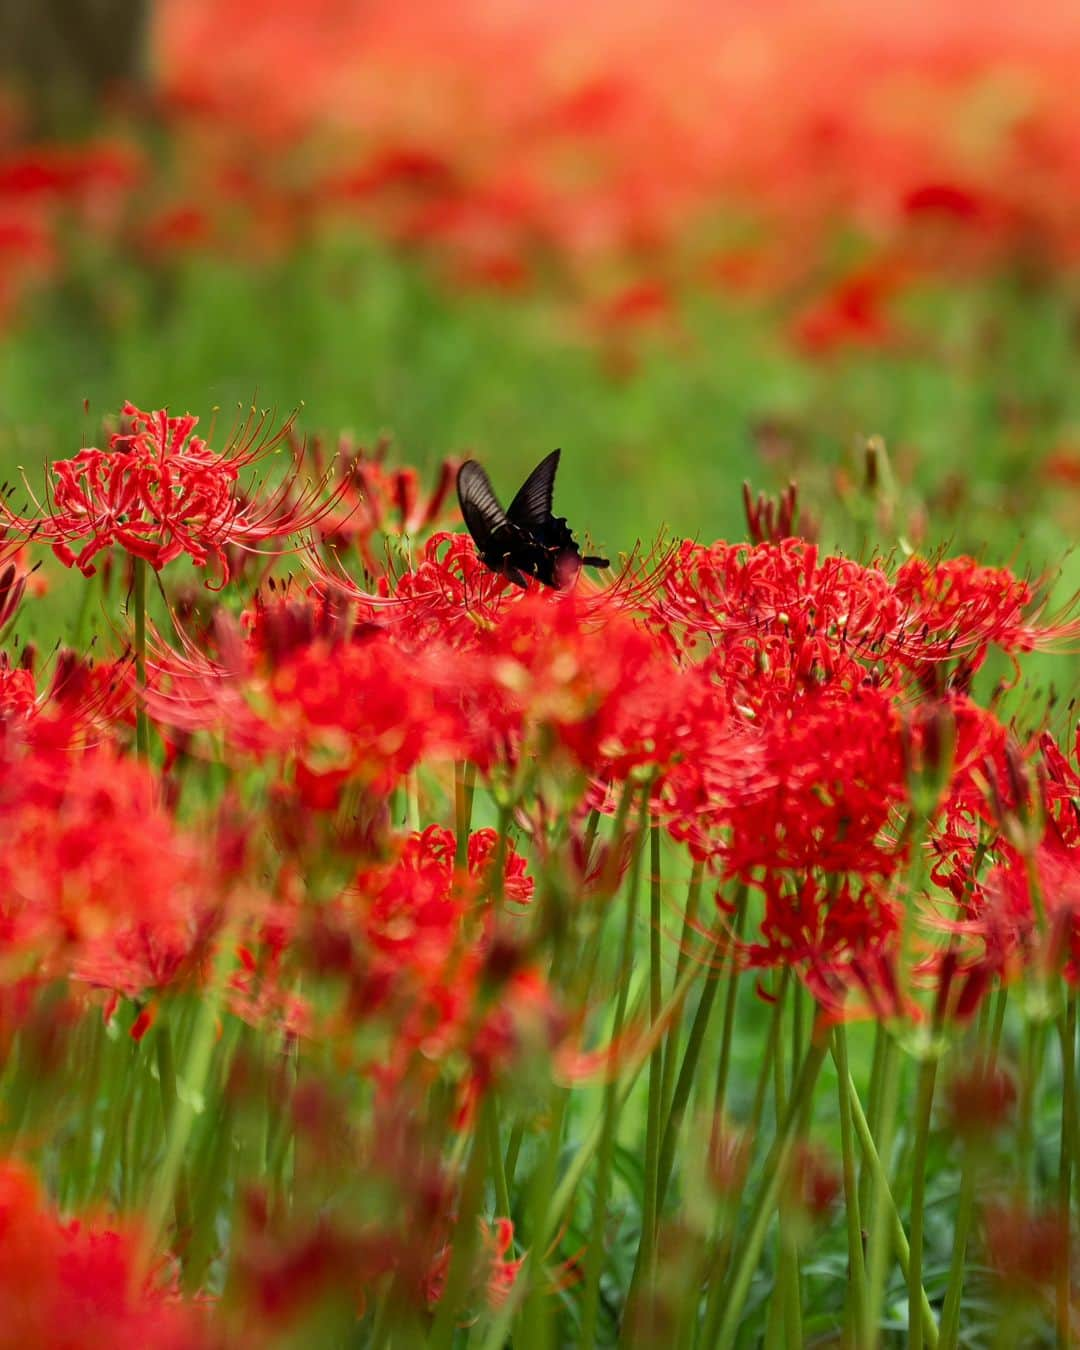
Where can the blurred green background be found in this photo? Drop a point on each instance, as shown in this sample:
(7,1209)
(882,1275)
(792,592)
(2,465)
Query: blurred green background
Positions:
(975,392)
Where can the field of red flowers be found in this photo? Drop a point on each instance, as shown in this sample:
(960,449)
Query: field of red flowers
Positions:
(420,931)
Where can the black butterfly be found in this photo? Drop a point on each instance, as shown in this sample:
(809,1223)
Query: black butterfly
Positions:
(527,540)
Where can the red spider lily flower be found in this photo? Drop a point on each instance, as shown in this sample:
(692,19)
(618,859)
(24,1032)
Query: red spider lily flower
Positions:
(1027,1249)
(813,1184)
(73,1284)
(811,613)
(159,491)
(854,312)
(84,892)
(980,1102)
(493,1273)
(833,777)
(831,931)
(377,500)
(83,702)
(335,711)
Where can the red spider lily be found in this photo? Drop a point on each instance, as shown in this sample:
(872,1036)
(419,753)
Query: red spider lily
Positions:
(83,703)
(980,1102)
(84,892)
(813,1185)
(823,618)
(375,499)
(73,1284)
(832,931)
(493,1274)
(337,711)
(833,777)
(1012,862)
(159,491)
(1027,1249)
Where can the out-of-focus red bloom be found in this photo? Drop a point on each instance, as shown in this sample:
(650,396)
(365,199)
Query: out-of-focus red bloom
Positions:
(980,1102)
(72,1286)
(378,500)
(813,1182)
(854,312)
(159,491)
(494,1274)
(84,891)
(335,702)
(1026,1248)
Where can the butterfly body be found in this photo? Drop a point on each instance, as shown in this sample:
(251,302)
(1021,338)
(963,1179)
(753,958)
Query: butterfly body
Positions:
(526,540)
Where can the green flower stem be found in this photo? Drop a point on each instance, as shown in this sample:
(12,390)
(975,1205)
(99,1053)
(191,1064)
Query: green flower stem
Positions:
(873,1101)
(412,800)
(81,1167)
(725,1312)
(142,730)
(528,1287)
(166,1066)
(999,1024)
(214,1175)
(965,1213)
(464,790)
(458,1277)
(118,1096)
(691,1056)
(594,1256)
(925,1100)
(880,1235)
(1066,1024)
(513,1149)
(196,1071)
(689,929)
(551,1202)
(772,1046)
(489,1120)
(886,1205)
(1034,1044)
(856,1289)
(649,1216)
(788,1281)
(728,1026)
(679,1099)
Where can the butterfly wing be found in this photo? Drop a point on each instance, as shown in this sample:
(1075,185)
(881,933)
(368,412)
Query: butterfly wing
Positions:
(531,508)
(485,519)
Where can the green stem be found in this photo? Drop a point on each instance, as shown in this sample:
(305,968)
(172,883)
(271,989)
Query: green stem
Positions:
(550,1203)
(856,1289)
(1029,1086)
(999,1024)
(650,1213)
(689,928)
(728,1026)
(880,1224)
(724,1315)
(166,1066)
(464,1246)
(873,1101)
(594,1256)
(927,1075)
(464,789)
(965,1213)
(687,1071)
(1067,1033)
(490,1121)
(886,1205)
(142,731)
(196,1071)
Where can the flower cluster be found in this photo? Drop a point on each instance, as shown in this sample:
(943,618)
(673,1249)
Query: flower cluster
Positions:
(332,950)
